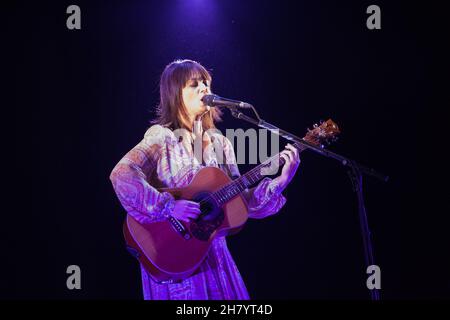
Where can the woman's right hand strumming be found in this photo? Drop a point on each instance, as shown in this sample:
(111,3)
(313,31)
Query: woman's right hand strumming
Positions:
(185,210)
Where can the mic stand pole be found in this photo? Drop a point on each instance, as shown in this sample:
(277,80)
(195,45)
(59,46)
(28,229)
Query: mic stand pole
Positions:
(355,171)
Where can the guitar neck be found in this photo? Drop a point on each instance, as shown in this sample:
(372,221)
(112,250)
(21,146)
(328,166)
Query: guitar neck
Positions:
(271,165)
(323,132)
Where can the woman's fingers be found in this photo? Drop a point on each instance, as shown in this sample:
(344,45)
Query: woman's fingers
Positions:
(194,206)
(294,150)
(289,154)
(193,209)
(188,202)
(285,157)
(186,210)
(192,215)
(186,216)
(191,205)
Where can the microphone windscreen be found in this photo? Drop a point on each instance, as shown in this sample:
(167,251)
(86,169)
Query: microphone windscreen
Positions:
(208,99)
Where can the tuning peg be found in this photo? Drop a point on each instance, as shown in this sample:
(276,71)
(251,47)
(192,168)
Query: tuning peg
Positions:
(315,125)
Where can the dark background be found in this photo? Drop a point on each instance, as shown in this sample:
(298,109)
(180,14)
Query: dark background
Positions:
(83,98)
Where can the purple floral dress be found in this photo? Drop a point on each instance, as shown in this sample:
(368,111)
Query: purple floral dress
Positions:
(162,160)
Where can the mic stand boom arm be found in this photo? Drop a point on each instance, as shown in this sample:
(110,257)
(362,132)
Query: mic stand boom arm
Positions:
(355,171)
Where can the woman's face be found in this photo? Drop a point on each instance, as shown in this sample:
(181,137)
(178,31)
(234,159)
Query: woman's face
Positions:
(193,92)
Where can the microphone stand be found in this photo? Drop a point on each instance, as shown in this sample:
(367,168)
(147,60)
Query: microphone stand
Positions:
(355,171)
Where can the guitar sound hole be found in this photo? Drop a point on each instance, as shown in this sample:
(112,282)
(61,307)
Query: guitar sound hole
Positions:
(210,219)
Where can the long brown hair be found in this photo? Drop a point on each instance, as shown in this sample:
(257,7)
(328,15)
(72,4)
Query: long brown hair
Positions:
(171,111)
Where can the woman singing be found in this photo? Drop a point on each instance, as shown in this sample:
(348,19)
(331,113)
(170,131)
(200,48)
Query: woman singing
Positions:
(163,159)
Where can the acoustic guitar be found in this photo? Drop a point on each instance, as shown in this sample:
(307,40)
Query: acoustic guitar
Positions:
(172,250)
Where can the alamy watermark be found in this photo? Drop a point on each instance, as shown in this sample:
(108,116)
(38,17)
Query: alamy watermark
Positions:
(374,280)
(251,144)
(74,280)
(74,20)
(374,20)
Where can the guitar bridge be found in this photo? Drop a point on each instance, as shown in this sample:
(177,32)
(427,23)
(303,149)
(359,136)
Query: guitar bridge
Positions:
(179,228)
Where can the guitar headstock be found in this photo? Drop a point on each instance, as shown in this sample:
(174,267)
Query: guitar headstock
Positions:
(325,132)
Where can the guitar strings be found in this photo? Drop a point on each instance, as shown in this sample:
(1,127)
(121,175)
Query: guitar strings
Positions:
(251,175)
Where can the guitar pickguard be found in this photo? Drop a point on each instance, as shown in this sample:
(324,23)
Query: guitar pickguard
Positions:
(209,220)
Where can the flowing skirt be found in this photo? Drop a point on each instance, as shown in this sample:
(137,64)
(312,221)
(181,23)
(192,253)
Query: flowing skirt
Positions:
(218,279)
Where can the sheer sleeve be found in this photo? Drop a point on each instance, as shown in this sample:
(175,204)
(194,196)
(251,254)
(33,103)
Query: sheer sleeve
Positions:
(131,175)
(265,199)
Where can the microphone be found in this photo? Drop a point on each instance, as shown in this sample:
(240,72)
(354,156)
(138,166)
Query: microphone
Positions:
(214,100)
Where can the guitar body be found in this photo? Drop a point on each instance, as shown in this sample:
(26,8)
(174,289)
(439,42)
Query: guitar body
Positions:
(172,250)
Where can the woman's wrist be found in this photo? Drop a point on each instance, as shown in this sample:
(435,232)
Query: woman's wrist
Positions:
(283,181)
(276,185)
(168,207)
